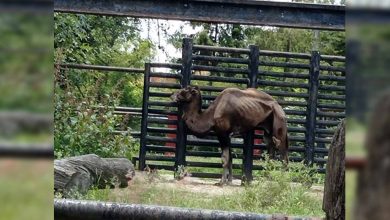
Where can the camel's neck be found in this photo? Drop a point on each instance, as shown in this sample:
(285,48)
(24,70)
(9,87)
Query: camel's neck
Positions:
(198,121)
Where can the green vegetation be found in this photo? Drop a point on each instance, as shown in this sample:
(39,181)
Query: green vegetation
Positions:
(84,100)
(274,191)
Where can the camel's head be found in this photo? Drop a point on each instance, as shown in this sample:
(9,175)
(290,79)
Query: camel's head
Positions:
(187,94)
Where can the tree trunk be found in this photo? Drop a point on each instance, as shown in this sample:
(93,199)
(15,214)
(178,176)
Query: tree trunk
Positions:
(334,191)
(75,175)
(373,191)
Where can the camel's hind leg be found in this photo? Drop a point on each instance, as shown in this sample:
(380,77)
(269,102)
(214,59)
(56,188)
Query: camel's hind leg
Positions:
(270,144)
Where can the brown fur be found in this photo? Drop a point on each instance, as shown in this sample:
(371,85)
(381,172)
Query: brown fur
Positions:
(235,111)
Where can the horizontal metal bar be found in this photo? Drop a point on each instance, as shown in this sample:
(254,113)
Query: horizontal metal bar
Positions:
(279,14)
(287,94)
(211,143)
(100,68)
(160,94)
(220,49)
(328,123)
(165,85)
(332,88)
(220,59)
(220,79)
(282,84)
(162,130)
(157,148)
(292,103)
(296,121)
(332,97)
(320,160)
(159,158)
(220,69)
(284,54)
(162,112)
(323,140)
(284,74)
(296,129)
(331,106)
(165,75)
(332,78)
(295,112)
(321,150)
(165,104)
(333,58)
(127,113)
(333,68)
(160,139)
(285,64)
(162,121)
(215,154)
(296,138)
(324,131)
(166,65)
(128,109)
(331,114)
(16,150)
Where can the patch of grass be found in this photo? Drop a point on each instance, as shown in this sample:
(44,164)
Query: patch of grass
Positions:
(350,193)
(271,192)
(262,197)
(25,189)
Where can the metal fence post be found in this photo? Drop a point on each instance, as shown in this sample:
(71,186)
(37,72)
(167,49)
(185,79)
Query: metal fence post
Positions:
(144,120)
(185,81)
(249,139)
(312,106)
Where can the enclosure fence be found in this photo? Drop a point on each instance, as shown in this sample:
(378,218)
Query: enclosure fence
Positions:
(310,87)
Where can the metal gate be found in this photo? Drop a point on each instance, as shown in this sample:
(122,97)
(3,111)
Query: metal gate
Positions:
(310,88)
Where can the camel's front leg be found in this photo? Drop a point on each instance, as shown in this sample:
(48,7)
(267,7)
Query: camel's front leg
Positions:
(224,140)
(225,165)
(230,179)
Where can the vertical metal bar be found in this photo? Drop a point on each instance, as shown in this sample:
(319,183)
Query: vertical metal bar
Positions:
(249,138)
(144,120)
(185,81)
(312,106)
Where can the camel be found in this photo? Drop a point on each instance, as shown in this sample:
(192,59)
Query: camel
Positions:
(234,111)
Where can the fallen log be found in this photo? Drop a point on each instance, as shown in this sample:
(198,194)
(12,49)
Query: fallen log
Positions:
(15,122)
(75,175)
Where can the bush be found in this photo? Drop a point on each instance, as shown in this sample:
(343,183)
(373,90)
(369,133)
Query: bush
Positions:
(85,123)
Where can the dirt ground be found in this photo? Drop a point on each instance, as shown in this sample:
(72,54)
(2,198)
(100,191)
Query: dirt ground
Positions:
(143,181)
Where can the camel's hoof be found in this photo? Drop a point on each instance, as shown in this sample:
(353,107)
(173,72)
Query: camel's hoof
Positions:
(221,184)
